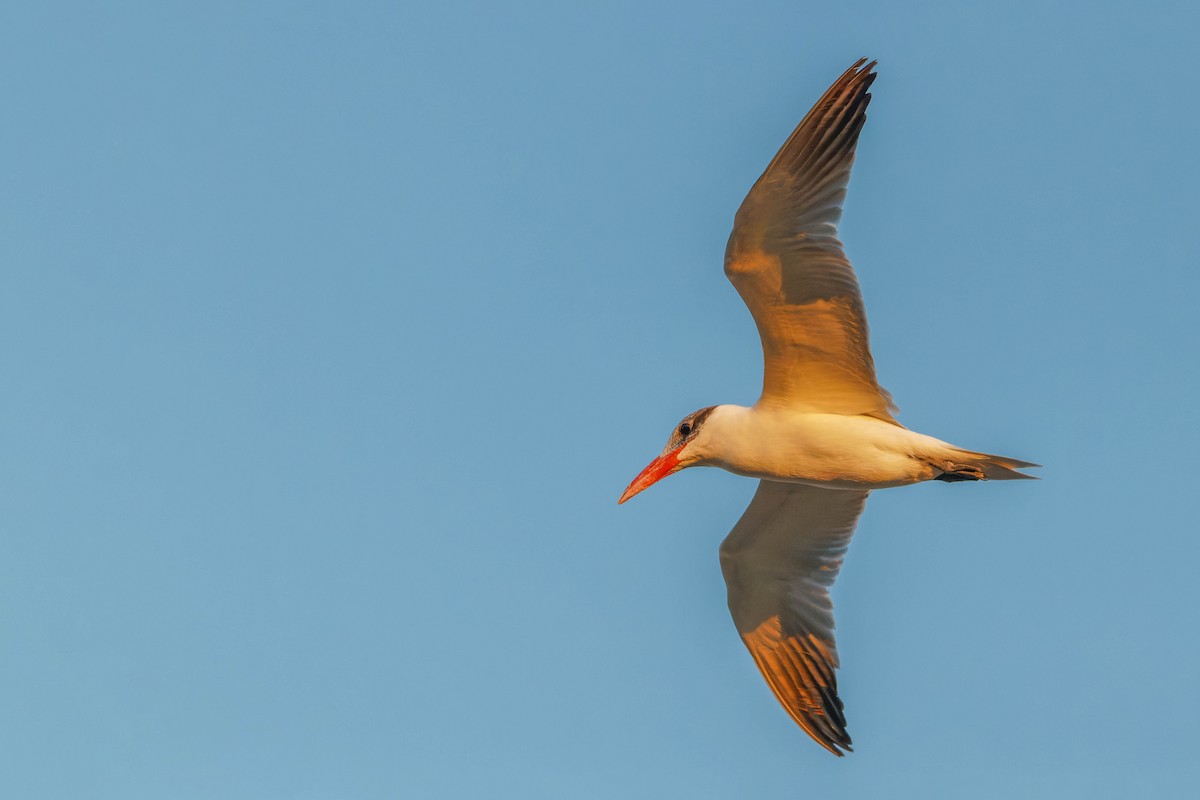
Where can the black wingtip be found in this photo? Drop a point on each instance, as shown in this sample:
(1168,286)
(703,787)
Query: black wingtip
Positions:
(858,67)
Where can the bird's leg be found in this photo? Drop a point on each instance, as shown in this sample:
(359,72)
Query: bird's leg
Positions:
(952,472)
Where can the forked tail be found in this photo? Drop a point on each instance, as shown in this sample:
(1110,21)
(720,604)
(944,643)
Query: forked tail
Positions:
(964,465)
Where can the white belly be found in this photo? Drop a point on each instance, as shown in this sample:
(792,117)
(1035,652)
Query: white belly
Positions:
(849,452)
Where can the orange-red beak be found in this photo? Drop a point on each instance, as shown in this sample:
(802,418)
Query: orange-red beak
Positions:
(658,469)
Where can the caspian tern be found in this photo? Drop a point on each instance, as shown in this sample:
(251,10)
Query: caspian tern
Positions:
(823,435)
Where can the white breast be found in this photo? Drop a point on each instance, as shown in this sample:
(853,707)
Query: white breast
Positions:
(831,450)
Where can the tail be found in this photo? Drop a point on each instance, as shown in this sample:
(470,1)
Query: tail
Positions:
(964,465)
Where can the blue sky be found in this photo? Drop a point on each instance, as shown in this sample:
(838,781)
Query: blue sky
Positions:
(331,334)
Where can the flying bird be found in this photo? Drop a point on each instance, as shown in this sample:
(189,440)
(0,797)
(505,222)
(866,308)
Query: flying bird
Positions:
(823,435)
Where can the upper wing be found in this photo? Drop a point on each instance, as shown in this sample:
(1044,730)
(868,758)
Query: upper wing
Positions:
(786,262)
(779,562)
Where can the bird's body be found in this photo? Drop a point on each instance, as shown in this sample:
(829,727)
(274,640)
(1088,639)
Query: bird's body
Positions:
(835,451)
(823,434)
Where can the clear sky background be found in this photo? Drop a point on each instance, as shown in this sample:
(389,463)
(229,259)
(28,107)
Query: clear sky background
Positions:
(330,334)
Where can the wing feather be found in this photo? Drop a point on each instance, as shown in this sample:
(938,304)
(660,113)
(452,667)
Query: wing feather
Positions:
(785,260)
(779,563)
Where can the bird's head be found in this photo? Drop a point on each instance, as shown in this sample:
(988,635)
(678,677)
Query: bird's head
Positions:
(685,448)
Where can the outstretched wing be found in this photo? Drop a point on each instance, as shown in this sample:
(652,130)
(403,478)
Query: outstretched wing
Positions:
(779,562)
(786,262)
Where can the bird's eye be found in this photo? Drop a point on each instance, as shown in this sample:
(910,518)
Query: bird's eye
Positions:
(685,429)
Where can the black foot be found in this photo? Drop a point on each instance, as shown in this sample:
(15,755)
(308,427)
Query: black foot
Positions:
(952,473)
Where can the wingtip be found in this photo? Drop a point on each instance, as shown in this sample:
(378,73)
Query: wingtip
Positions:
(859,70)
(799,671)
(838,748)
(867,75)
